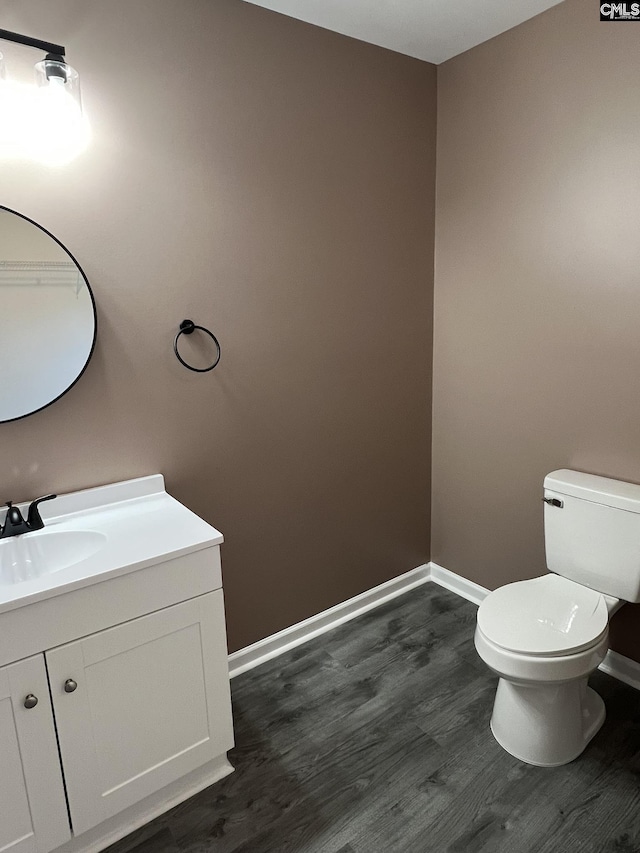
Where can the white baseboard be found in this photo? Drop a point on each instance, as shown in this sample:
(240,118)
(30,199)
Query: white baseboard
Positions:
(302,632)
(622,668)
(616,665)
(456,583)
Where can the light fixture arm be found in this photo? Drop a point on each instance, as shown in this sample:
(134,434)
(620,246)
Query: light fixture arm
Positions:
(47,46)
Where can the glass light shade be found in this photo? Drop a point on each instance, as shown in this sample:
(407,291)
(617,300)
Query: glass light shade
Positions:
(62,132)
(53,72)
(44,122)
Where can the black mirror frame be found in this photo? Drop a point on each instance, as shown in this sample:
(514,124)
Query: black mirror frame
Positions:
(93,305)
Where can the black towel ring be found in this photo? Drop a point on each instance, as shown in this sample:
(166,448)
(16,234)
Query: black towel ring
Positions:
(187,327)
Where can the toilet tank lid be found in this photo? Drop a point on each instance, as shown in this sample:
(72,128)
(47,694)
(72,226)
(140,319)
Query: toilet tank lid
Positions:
(590,487)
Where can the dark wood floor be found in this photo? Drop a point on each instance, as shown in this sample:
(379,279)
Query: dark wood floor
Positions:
(375,738)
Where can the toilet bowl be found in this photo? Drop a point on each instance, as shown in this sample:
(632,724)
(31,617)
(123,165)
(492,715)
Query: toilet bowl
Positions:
(543,638)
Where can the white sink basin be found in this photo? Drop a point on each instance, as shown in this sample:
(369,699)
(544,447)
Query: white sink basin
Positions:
(33,555)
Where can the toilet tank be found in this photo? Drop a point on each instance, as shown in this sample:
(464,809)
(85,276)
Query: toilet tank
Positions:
(592,532)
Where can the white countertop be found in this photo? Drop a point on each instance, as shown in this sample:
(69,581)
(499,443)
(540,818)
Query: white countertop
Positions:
(141,525)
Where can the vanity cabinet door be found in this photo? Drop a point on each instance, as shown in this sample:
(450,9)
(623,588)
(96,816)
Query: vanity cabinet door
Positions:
(140,705)
(33,810)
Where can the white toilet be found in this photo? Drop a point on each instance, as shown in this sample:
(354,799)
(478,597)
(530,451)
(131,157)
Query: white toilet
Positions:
(544,637)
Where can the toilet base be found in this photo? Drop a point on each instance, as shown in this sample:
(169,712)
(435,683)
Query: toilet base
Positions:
(546,724)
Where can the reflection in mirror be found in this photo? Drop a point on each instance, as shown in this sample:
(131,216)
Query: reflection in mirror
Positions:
(47,317)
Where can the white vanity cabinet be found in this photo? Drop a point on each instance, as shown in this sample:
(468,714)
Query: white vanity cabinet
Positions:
(140,706)
(114,688)
(137,707)
(33,812)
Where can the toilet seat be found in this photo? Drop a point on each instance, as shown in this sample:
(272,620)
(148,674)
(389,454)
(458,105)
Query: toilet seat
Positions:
(547,617)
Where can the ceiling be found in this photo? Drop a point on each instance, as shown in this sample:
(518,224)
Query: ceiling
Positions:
(433,30)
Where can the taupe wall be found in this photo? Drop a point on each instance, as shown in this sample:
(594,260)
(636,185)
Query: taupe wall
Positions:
(537,305)
(275,182)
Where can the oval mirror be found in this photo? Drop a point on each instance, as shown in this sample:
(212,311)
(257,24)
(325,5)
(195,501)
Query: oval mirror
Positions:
(47,317)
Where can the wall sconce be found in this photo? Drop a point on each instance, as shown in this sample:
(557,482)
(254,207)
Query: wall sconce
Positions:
(42,122)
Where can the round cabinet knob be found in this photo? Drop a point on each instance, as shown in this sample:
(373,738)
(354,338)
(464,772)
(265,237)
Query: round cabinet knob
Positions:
(70,685)
(30,701)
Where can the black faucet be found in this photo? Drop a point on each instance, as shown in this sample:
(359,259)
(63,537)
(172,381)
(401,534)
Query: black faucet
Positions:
(15,524)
